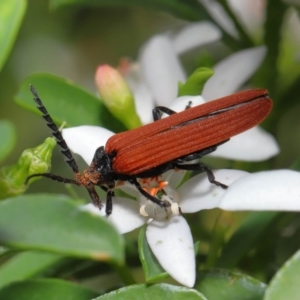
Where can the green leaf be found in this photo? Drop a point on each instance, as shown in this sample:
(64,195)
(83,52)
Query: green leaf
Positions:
(285,284)
(26,265)
(54,223)
(8,137)
(195,83)
(188,9)
(152,269)
(11,15)
(66,102)
(255,225)
(48,289)
(226,285)
(152,292)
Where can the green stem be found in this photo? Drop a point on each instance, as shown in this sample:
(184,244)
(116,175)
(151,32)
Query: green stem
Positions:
(275,11)
(221,227)
(243,35)
(230,41)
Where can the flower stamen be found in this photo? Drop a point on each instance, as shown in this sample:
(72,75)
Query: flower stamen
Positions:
(158,187)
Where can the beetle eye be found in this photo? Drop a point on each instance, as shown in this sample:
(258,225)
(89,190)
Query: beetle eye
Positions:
(98,153)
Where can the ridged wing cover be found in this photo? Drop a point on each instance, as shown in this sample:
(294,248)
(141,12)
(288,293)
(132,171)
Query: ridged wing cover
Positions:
(186,132)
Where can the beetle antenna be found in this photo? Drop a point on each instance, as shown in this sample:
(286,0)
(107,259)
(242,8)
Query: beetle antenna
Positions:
(58,136)
(53,177)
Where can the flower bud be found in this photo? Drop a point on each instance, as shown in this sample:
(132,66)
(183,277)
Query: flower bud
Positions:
(116,95)
(32,161)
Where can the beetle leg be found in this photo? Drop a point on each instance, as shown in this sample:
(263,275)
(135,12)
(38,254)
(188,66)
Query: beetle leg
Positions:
(156,112)
(104,188)
(197,155)
(147,195)
(189,105)
(202,167)
(200,153)
(108,207)
(109,194)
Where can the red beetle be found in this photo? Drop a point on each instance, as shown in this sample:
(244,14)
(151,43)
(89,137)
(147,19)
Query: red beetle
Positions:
(165,144)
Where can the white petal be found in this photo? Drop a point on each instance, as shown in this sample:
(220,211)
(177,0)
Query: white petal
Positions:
(161,69)
(272,190)
(143,103)
(91,208)
(250,13)
(84,140)
(142,95)
(174,177)
(195,35)
(125,214)
(198,193)
(252,145)
(218,13)
(181,103)
(232,72)
(172,244)
(129,189)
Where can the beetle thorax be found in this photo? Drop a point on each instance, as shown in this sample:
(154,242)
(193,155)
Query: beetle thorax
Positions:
(87,178)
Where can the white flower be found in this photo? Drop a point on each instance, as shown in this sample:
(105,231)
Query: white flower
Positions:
(169,236)
(251,14)
(166,232)
(154,79)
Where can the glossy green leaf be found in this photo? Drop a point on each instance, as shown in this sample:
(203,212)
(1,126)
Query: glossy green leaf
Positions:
(188,9)
(286,282)
(151,292)
(66,102)
(255,225)
(152,269)
(8,137)
(54,223)
(26,265)
(47,289)
(11,15)
(216,284)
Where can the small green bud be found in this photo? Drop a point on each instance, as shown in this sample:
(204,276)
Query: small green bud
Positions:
(195,83)
(32,161)
(116,95)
